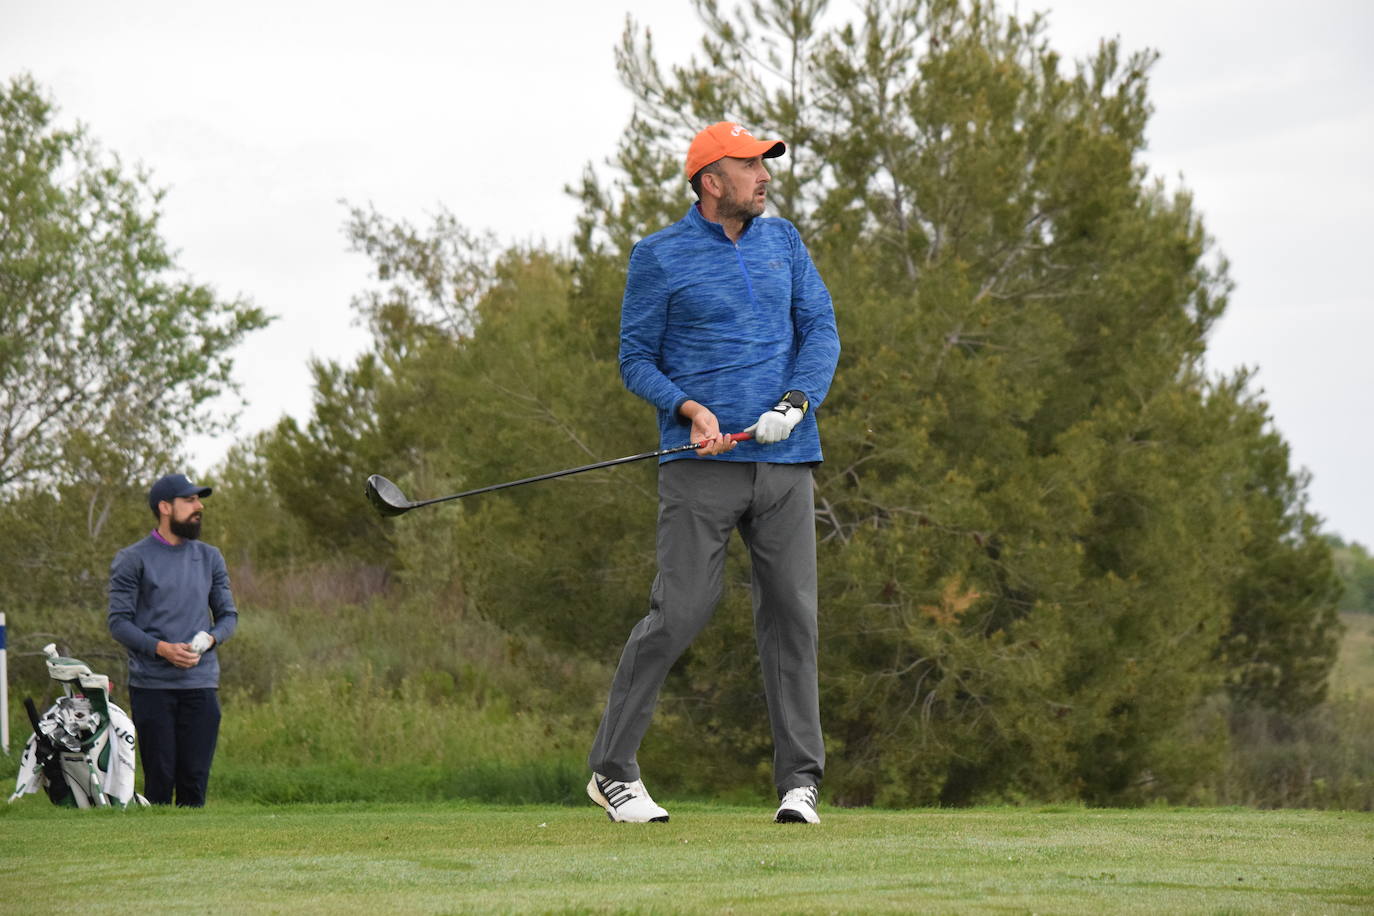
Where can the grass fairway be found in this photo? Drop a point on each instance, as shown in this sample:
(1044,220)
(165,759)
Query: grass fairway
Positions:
(461,858)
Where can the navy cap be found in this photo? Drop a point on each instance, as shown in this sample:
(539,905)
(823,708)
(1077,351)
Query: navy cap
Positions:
(170,487)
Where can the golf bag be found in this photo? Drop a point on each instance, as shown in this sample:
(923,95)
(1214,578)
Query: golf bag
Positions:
(82,749)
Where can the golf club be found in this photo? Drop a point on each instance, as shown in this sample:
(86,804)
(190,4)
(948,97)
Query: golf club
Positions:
(388,499)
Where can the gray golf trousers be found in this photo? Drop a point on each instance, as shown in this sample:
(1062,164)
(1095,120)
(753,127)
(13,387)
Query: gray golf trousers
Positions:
(700,502)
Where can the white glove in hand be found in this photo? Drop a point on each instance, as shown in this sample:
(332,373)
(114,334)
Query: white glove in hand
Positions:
(776,424)
(200,642)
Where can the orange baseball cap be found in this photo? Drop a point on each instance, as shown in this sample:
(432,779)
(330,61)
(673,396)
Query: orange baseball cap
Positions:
(726,138)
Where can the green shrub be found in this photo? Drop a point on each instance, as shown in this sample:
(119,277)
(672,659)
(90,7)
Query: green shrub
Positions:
(1323,759)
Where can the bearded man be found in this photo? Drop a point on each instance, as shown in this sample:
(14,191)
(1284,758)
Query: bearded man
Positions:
(171,607)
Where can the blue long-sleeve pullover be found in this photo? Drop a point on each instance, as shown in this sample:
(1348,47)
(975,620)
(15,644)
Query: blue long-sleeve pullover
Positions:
(163,592)
(731,325)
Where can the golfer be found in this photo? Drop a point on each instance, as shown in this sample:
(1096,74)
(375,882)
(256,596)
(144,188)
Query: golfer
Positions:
(170,606)
(726,326)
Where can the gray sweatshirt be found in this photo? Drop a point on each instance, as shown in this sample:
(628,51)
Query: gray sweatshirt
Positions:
(162,592)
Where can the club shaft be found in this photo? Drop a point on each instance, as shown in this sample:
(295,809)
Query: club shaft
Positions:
(564,473)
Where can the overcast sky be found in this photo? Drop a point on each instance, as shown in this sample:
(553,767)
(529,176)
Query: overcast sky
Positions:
(259,117)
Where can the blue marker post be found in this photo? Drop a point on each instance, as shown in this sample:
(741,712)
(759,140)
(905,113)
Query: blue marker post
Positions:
(4,690)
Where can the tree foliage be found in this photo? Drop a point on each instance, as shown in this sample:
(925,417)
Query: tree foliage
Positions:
(481,371)
(1048,537)
(1355,567)
(109,355)
(1044,526)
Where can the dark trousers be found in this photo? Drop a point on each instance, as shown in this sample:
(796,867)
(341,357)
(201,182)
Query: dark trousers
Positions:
(700,503)
(177,732)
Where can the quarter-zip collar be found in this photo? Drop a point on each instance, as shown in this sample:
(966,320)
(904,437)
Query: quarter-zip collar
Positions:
(695,215)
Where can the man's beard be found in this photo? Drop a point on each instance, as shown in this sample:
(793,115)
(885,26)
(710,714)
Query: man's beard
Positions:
(189,529)
(742,210)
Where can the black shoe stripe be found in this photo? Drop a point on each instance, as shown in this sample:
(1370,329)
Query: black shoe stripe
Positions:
(616,793)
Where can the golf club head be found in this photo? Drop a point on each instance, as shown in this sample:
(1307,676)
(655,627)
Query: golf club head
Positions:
(385,496)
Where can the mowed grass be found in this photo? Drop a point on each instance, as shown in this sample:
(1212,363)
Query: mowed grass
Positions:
(452,858)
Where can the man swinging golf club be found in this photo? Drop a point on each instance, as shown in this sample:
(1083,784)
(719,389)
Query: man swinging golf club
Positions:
(725,324)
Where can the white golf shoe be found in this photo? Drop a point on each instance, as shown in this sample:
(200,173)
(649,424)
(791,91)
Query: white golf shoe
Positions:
(625,802)
(798,807)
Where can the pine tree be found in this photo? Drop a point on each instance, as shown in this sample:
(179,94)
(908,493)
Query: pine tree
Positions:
(1047,537)
(1031,507)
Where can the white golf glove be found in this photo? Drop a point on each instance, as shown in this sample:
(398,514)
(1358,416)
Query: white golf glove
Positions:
(201,642)
(777,424)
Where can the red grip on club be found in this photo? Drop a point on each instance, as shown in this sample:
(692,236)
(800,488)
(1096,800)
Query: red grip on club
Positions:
(733,437)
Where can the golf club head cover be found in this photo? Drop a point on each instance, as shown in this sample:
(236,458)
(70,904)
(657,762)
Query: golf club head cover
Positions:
(200,642)
(777,423)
